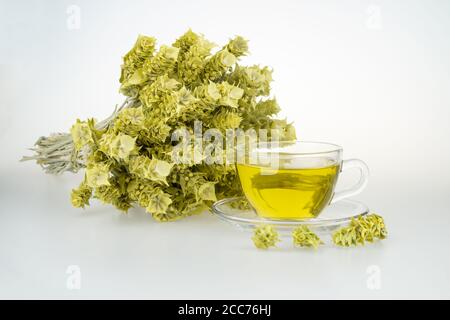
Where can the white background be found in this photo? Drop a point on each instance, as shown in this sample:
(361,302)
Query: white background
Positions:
(372,76)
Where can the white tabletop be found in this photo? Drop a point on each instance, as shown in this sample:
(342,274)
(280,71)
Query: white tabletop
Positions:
(45,244)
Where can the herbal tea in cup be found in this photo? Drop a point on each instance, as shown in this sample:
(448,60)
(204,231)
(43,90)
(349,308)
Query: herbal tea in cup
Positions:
(295,180)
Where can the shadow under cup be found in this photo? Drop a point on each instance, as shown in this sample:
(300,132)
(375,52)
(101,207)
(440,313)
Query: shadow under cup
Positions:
(295,180)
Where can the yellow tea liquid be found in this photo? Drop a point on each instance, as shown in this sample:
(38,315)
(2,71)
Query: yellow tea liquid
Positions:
(288,193)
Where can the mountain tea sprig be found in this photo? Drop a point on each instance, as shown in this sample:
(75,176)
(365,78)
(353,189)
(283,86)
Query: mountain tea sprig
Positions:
(126,157)
(302,236)
(265,236)
(361,230)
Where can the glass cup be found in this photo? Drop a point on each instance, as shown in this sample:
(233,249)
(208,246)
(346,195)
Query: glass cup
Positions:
(295,180)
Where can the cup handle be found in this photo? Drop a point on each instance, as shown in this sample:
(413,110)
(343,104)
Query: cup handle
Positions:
(359,186)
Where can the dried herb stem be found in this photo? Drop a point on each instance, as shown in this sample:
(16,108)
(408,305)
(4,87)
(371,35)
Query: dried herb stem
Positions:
(56,153)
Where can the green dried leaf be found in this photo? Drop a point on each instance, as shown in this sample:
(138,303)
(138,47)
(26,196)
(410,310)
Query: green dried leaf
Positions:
(97,175)
(207,191)
(81,134)
(159,203)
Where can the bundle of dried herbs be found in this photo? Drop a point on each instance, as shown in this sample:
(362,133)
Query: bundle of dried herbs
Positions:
(127,157)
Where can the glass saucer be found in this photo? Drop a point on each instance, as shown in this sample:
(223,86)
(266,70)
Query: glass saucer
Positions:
(332,217)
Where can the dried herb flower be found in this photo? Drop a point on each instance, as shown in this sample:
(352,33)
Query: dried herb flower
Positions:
(304,237)
(265,236)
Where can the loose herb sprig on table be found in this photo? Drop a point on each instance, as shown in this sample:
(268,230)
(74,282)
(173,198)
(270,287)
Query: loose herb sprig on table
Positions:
(361,230)
(304,237)
(265,236)
(126,156)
